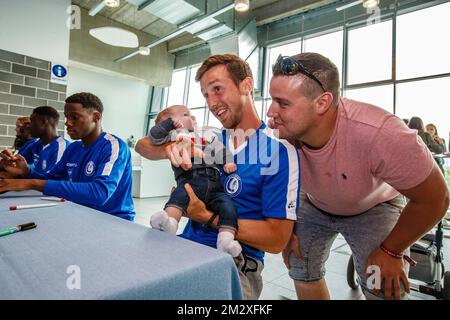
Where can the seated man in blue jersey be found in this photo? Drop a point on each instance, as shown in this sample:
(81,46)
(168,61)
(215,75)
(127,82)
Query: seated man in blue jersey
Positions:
(266,184)
(23,133)
(23,139)
(44,152)
(94,172)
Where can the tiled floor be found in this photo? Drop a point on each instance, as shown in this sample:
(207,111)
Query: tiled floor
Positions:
(277,284)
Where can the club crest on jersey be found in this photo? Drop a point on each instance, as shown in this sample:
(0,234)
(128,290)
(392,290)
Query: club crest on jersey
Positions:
(44,164)
(90,168)
(233,185)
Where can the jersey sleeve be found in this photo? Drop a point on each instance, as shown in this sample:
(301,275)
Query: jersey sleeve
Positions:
(281,185)
(399,157)
(111,165)
(57,172)
(27,152)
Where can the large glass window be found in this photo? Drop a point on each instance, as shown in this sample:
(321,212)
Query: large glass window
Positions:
(423,42)
(259,109)
(199,115)
(253,62)
(176,89)
(370,53)
(195,97)
(267,104)
(424,99)
(329,45)
(289,49)
(213,121)
(381,96)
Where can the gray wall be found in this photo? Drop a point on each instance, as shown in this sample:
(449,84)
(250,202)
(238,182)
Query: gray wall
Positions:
(24,85)
(125,101)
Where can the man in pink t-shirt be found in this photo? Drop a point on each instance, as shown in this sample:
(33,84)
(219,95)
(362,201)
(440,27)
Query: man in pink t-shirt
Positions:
(357,164)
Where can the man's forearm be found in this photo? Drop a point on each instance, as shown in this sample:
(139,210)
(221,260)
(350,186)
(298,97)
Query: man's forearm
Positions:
(427,205)
(267,236)
(37,184)
(146,149)
(415,220)
(270,235)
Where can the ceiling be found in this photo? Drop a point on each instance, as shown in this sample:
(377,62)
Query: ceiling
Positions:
(265,11)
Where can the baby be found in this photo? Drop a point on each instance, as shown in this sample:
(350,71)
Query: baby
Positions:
(204,177)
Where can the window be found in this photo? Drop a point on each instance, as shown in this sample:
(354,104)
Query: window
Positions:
(176,89)
(289,49)
(267,104)
(195,97)
(370,53)
(422,49)
(259,109)
(424,99)
(213,121)
(253,62)
(423,46)
(381,96)
(330,45)
(199,115)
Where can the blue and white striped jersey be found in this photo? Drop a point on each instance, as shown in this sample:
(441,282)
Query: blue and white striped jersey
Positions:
(44,158)
(97,176)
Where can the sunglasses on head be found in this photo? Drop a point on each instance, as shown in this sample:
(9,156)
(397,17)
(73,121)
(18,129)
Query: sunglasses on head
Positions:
(289,66)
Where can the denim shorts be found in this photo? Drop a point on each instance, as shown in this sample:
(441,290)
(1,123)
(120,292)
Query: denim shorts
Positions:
(364,232)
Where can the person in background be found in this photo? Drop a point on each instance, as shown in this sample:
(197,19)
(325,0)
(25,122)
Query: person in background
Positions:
(48,147)
(23,132)
(432,130)
(416,123)
(22,141)
(406,121)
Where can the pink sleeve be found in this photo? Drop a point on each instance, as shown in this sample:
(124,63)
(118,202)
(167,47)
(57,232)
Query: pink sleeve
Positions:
(399,157)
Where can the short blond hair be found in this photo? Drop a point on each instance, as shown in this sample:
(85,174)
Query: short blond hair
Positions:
(167,112)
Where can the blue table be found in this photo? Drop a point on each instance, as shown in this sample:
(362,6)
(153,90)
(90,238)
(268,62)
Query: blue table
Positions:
(108,257)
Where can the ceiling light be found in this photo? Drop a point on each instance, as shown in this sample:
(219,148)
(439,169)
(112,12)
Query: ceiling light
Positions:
(241,5)
(370,3)
(112,3)
(144,51)
(115,36)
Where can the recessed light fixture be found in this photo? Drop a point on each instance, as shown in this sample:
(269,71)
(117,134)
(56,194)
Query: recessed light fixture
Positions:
(145,51)
(370,3)
(112,3)
(241,5)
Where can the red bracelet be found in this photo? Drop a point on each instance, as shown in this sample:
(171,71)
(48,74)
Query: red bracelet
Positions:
(398,256)
(392,254)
